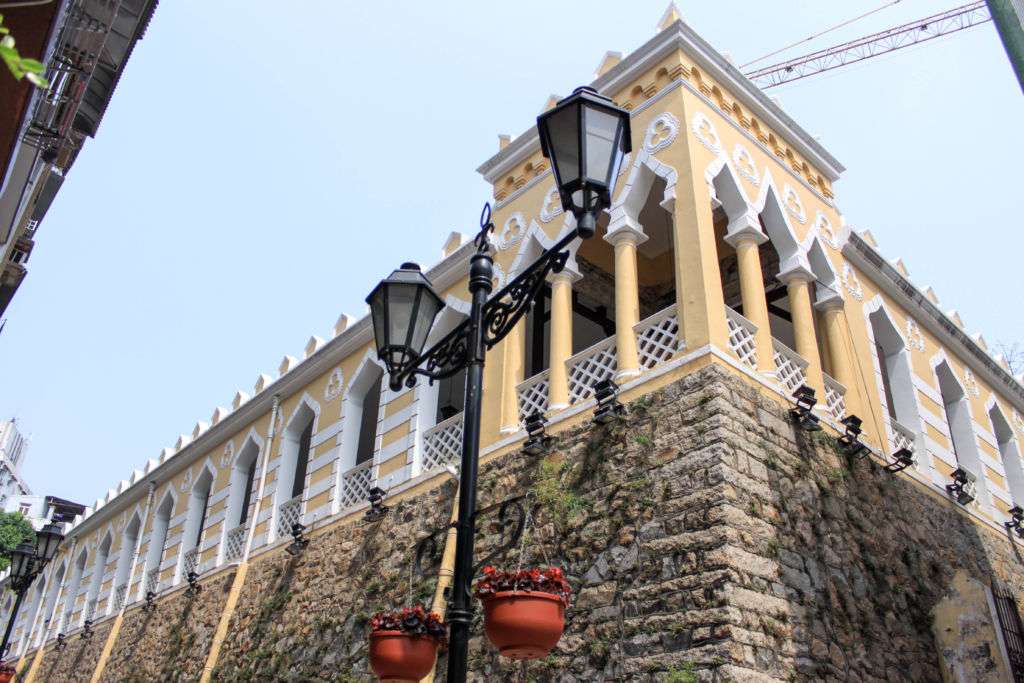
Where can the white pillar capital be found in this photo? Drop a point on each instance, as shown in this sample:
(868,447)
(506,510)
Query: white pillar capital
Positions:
(743,228)
(625,230)
(796,271)
(832,301)
(568,274)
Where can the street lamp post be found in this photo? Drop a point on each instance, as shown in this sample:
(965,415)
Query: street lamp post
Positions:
(585,136)
(27,561)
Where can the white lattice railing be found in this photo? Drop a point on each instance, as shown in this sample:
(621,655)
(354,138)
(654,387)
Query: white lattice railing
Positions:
(234,543)
(902,437)
(288,513)
(191,562)
(533,395)
(835,398)
(789,366)
(356,484)
(590,366)
(742,338)
(119,595)
(442,443)
(153,580)
(657,338)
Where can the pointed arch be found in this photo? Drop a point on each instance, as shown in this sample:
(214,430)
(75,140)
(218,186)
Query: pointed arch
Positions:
(772,211)
(158,538)
(894,378)
(195,516)
(50,606)
(361,407)
(129,536)
(98,569)
(957,409)
(294,451)
(535,242)
(1009,450)
(631,199)
(828,289)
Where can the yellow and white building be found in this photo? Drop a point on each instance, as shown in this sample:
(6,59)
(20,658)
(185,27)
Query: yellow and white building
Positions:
(724,245)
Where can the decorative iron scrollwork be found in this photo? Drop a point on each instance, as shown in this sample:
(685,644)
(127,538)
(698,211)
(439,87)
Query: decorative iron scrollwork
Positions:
(509,523)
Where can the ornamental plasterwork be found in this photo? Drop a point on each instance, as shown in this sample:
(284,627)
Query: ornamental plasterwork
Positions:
(852,282)
(745,164)
(706,133)
(914,336)
(512,231)
(661,133)
(971,384)
(552,205)
(186,482)
(334,385)
(825,229)
(228,454)
(794,206)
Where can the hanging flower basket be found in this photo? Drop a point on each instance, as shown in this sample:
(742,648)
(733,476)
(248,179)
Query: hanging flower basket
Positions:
(524,610)
(6,673)
(403,644)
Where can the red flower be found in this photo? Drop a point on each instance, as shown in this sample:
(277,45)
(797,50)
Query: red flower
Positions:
(550,580)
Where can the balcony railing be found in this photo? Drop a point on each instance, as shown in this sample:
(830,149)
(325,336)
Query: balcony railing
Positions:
(442,443)
(657,338)
(89,611)
(356,484)
(590,366)
(790,367)
(902,437)
(153,580)
(191,562)
(533,395)
(288,513)
(835,398)
(234,543)
(741,338)
(119,595)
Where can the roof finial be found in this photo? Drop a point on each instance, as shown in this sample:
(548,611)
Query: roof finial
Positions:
(670,17)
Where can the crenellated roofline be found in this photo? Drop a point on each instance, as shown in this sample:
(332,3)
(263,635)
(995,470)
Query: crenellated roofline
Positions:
(679,36)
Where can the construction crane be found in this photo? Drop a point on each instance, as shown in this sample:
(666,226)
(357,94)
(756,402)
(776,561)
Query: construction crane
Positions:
(897,38)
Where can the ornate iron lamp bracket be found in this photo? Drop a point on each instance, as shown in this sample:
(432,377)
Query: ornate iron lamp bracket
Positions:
(510,521)
(501,312)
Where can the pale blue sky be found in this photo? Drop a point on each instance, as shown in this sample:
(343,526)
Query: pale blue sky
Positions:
(262,165)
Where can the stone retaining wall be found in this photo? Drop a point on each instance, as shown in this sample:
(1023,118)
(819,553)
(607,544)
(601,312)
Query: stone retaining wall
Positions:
(705,538)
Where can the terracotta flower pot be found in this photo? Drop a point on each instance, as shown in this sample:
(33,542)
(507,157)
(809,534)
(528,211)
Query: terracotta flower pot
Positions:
(398,657)
(6,676)
(524,624)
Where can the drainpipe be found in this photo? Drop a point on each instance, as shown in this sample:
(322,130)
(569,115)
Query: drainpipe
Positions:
(268,448)
(445,572)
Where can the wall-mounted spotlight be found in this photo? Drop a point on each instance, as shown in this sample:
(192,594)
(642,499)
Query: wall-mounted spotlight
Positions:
(87,629)
(902,459)
(538,442)
(850,440)
(377,507)
(193,584)
(803,413)
(963,486)
(299,542)
(61,641)
(606,392)
(150,601)
(1016,521)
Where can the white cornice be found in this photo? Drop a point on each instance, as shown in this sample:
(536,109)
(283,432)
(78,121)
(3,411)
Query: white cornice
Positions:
(914,301)
(445,274)
(682,37)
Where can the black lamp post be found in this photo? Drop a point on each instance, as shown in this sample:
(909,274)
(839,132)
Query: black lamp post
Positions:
(585,136)
(27,561)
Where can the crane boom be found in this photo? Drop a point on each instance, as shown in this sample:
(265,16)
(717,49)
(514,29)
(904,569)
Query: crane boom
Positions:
(896,38)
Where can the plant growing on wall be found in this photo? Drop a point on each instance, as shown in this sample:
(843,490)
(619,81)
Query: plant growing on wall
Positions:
(20,67)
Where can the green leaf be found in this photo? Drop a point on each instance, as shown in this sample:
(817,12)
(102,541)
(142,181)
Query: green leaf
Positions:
(32,65)
(7,41)
(37,80)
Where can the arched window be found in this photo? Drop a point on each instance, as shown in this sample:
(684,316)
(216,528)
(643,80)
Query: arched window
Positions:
(958,416)
(1009,453)
(50,617)
(75,586)
(96,581)
(124,561)
(157,541)
(361,413)
(291,471)
(895,379)
(28,616)
(240,497)
(195,521)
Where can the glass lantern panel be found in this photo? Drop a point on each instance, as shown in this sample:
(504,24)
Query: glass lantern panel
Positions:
(428,309)
(564,140)
(401,298)
(602,129)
